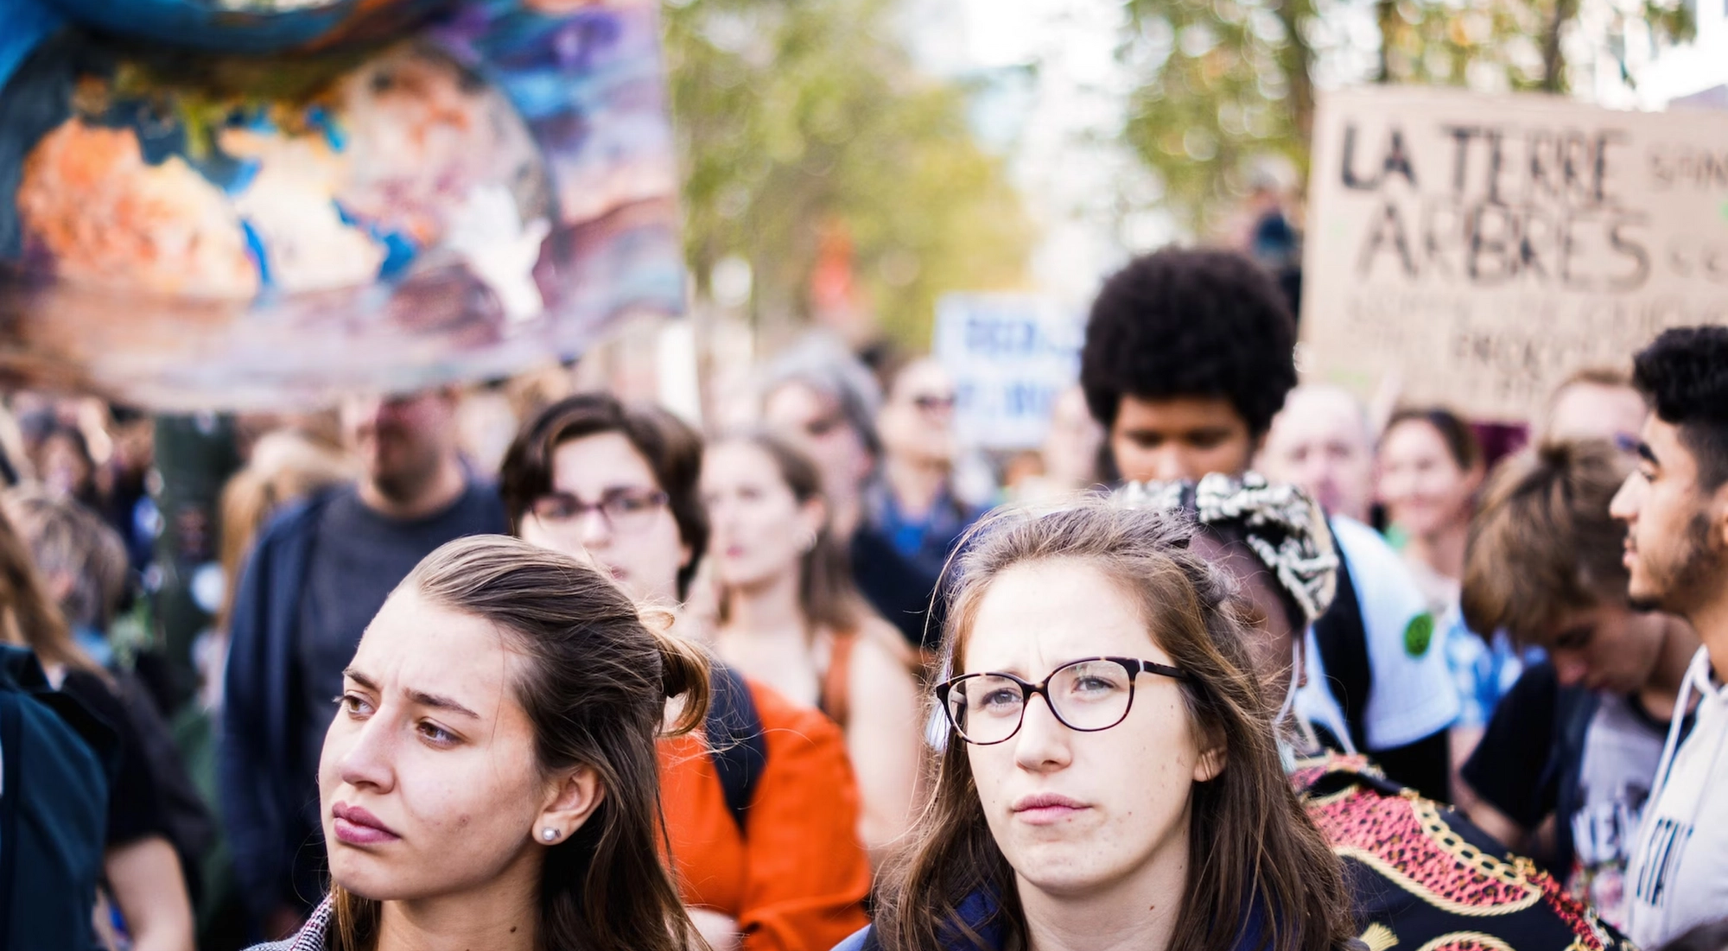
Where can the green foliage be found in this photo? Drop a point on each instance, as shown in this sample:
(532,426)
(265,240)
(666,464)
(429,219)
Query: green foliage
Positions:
(1225,81)
(803,117)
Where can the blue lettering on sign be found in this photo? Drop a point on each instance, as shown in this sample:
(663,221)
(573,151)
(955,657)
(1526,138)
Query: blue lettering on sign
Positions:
(1009,337)
(1028,399)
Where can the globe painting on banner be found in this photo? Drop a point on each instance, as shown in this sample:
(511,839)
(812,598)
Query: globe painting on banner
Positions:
(235,203)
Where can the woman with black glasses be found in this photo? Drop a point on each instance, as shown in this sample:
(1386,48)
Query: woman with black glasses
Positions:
(762,810)
(1111,778)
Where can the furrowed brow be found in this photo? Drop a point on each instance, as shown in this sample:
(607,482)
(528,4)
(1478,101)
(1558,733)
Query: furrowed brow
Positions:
(438,702)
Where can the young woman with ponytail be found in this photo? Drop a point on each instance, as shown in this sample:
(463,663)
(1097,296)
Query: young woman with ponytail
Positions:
(491,778)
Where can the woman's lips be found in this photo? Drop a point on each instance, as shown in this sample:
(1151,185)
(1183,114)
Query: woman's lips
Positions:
(355,826)
(1042,809)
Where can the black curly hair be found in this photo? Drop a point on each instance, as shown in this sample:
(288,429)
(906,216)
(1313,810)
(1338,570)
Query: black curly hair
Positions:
(1684,376)
(1190,322)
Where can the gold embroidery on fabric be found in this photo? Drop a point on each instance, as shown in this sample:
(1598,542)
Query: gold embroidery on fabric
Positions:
(1466,941)
(1427,816)
(1378,937)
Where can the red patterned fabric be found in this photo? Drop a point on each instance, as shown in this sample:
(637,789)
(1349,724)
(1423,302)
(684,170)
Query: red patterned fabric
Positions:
(1426,879)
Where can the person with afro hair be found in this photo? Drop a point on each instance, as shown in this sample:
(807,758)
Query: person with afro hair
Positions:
(1189,354)
(1675,507)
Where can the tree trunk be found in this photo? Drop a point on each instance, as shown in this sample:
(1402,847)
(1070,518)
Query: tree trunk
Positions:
(1386,19)
(1553,60)
(1299,64)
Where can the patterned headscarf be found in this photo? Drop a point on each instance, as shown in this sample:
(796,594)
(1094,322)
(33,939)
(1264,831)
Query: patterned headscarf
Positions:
(1280,523)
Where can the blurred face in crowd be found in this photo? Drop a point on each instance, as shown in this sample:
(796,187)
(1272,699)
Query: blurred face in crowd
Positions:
(401,441)
(1184,437)
(760,531)
(1320,442)
(1277,647)
(1608,647)
(606,507)
(429,784)
(817,425)
(65,469)
(1082,812)
(917,423)
(1595,411)
(1675,535)
(1071,450)
(1424,488)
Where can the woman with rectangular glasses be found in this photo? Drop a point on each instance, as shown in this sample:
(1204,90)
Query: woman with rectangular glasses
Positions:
(1111,778)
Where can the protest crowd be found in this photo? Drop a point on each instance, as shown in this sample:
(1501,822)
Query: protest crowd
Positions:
(1308,677)
(352,600)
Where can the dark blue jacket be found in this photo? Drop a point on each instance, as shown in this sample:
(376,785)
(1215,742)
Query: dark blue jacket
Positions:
(979,912)
(261,800)
(58,761)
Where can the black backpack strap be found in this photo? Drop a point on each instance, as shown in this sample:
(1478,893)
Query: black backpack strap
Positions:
(736,742)
(1342,636)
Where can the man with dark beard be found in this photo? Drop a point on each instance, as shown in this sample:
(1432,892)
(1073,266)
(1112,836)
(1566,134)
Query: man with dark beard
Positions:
(321,570)
(1675,507)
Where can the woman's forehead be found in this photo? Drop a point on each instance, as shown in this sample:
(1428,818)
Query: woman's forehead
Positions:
(1051,612)
(415,645)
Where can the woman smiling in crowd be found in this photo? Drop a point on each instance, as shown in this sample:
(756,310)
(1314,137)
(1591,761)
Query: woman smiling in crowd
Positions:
(490,780)
(1110,779)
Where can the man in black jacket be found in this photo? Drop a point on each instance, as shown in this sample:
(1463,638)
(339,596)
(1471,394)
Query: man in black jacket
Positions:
(319,573)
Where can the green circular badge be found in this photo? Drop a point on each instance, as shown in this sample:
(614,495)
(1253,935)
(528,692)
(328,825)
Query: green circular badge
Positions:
(1419,634)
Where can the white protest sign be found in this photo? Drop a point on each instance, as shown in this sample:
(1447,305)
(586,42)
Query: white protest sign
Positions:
(1483,247)
(1010,356)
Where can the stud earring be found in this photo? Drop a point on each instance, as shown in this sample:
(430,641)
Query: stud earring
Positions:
(549,834)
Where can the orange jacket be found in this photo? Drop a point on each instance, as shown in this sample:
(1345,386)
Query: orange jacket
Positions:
(797,880)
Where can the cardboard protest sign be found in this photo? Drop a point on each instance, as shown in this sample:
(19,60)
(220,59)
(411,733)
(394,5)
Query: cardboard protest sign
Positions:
(1483,247)
(1010,355)
(234,203)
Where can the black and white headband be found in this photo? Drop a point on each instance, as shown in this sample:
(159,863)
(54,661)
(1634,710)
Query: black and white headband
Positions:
(1281,524)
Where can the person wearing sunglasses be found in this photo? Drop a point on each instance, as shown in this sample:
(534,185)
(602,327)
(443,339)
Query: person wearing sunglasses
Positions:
(762,810)
(913,502)
(1110,778)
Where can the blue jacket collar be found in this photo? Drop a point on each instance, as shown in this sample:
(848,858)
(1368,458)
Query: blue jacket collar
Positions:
(980,912)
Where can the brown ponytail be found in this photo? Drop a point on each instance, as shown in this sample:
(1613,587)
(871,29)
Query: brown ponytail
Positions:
(684,672)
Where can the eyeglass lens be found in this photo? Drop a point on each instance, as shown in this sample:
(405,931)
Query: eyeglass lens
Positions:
(623,509)
(1088,696)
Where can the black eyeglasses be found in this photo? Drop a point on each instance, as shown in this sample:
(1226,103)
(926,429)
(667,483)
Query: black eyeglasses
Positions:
(624,510)
(1085,695)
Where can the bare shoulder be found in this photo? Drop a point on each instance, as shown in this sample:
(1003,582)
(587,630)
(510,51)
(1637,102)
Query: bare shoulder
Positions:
(880,647)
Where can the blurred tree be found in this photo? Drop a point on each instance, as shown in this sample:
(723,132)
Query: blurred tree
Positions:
(804,128)
(1225,81)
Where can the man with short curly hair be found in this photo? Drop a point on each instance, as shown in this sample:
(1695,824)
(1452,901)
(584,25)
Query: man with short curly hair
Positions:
(1675,506)
(1189,354)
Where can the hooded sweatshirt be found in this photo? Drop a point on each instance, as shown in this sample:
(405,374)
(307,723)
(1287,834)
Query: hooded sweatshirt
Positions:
(1678,875)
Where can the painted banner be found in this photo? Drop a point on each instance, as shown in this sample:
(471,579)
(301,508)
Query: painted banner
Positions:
(1480,248)
(1010,355)
(227,204)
